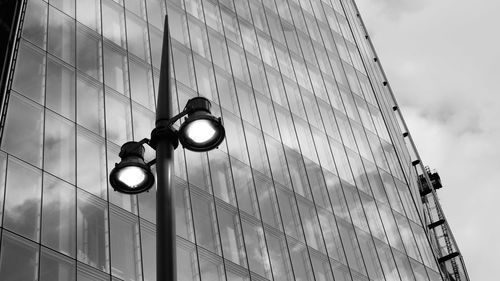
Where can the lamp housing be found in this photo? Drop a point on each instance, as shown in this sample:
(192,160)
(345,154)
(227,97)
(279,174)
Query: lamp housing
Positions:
(132,175)
(200,131)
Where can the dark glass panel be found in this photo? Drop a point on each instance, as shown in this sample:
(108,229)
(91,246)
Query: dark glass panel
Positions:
(60,88)
(88,52)
(35,23)
(30,73)
(18,259)
(23,130)
(56,267)
(22,199)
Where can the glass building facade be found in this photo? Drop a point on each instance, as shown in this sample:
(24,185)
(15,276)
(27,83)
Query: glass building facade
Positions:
(313,182)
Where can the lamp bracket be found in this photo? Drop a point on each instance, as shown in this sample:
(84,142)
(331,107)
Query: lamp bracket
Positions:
(162,132)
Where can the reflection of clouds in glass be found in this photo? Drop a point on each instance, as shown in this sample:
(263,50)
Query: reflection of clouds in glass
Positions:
(22,200)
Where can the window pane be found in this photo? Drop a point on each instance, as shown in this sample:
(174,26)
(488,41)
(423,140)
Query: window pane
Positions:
(92,231)
(23,130)
(59,148)
(56,267)
(232,242)
(280,261)
(205,224)
(118,115)
(115,69)
(30,73)
(88,52)
(148,243)
(141,84)
(91,168)
(60,89)
(88,12)
(257,250)
(137,36)
(18,258)
(3,164)
(113,27)
(35,23)
(125,246)
(61,41)
(22,199)
(90,105)
(58,216)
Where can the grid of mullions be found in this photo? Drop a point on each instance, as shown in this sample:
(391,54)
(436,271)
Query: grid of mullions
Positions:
(293,193)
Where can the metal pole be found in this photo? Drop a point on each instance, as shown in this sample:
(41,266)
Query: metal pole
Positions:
(165,210)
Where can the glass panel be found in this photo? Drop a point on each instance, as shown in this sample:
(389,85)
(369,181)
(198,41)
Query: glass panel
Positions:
(88,12)
(300,261)
(187,265)
(92,231)
(56,267)
(141,84)
(125,246)
(113,22)
(61,41)
(35,23)
(221,177)
(267,200)
(205,223)
(58,215)
(245,192)
(280,261)
(148,243)
(90,105)
(211,267)
(289,213)
(18,258)
(66,6)
(332,236)
(91,167)
(183,217)
(256,247)
(22,199)
(232,240)
(60,89)
(137,36)
(115,69)
(29,78)
(23,130)
(59,148)
(88,52)
(118,115)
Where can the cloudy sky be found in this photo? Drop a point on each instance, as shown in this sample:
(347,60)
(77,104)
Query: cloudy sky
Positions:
(442,59)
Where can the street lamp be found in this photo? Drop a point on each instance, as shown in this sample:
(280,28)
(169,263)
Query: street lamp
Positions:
(200,131)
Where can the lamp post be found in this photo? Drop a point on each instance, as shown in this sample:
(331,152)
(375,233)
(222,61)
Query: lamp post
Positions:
(200,131)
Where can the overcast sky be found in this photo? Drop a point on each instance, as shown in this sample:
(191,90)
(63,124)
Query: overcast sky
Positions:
(442,59)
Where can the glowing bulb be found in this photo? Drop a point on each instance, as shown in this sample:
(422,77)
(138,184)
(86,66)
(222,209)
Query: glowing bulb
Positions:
(200,131)
(132,176)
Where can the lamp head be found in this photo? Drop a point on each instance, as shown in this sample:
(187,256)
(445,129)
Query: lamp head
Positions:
(201,131)
(132,175)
